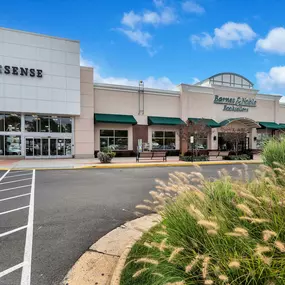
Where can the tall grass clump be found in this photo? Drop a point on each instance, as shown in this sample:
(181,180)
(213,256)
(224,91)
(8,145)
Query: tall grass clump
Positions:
(217,232)
(274,152)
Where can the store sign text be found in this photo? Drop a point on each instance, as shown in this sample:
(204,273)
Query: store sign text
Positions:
(22,71)
(238,104)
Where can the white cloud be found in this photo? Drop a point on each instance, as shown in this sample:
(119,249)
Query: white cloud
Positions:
(138,36)
(158,3)
(226,36)
(192,7)
(195,80)
(274,42)
(272,80)
(131,19)
(204,40)
(168,16)
(151,18)
(149,82)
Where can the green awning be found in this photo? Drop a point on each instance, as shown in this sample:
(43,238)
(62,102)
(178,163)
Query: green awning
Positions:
(269,125)
(165,121)
(282,126)
(208,122)
(114,118)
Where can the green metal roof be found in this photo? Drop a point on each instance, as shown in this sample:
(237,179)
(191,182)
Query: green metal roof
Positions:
(164,121)
(208,122)
(270,125)
(114,118)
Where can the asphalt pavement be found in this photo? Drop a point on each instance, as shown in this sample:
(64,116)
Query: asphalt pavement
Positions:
(70,211)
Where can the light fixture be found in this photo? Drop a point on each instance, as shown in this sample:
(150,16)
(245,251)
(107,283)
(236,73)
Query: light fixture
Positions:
(215,138)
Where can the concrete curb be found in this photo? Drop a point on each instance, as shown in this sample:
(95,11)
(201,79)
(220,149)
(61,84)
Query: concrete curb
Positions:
(104,261)
(170,164)
(139,165)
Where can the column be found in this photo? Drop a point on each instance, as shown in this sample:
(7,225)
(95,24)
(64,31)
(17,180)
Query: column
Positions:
(213,144)
(252,138)
(23,141)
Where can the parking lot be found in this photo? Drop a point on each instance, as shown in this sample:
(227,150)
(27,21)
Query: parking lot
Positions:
(67,211)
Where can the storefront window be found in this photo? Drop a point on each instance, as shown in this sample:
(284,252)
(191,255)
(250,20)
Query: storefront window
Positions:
(66,125)
(2,123)
(2,145)
(200,143)
(12,122)
(12,145)
(262,139)
(115,139)
(44,124)
(163,140)
(32,123)
(54,124)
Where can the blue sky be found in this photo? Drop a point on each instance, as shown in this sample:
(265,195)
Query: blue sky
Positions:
(165,42)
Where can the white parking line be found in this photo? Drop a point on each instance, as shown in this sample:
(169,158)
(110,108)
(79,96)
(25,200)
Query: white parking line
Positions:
(10,176)
(15,181)
(14,197)
(9,189)
(11,269)
(26,271)
(3,176)
(14,210)
(13,231)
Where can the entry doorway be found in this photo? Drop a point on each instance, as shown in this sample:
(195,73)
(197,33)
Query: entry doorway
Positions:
(47,147)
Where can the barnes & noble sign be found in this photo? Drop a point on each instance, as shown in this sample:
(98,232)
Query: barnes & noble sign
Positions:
(237,104)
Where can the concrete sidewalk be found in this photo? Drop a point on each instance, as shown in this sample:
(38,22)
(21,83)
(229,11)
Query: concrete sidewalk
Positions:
(117,162)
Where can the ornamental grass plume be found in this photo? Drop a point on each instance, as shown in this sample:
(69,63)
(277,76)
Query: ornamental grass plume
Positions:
(139,272)
(234,264)
(223,231)
(147,260)
(174,253)
(280,245)
(267,235)
(245,209)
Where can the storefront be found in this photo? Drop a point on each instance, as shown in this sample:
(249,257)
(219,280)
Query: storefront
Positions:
(51,108)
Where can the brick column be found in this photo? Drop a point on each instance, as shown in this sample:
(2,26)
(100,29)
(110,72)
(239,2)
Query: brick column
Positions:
(139,132)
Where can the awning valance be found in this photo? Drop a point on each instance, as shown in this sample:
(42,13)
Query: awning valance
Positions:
(270,125)
(115,119)
(208,122)
(165,121)
(249,123)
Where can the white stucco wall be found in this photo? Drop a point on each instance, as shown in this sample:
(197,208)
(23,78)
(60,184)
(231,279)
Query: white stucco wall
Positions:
(58,91)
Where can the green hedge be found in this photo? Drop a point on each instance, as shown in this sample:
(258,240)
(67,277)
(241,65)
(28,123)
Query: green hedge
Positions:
(194,158)
(237,157)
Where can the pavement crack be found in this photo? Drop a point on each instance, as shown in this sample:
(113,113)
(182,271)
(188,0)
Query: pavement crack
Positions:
(101,252)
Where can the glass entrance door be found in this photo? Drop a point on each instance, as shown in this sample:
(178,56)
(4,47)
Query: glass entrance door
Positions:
(48,147)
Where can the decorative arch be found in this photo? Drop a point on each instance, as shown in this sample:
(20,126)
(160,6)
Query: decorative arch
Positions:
(249,123)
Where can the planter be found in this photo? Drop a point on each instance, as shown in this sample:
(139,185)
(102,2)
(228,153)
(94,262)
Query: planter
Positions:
(194,158)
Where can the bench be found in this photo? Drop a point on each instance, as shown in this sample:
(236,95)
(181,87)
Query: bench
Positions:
(217,153)
(149,155)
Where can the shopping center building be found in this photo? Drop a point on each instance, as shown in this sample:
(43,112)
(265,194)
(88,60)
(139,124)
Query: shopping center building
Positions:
(50,107)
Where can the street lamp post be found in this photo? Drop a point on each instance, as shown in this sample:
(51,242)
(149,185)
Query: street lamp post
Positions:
(192,146)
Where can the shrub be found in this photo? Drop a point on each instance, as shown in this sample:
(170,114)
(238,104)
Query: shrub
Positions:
(238,157)
(219,232)
(274,152)
(194,158)
(106,155)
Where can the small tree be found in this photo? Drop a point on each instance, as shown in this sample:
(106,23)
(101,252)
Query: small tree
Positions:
(199,130)
(234,136)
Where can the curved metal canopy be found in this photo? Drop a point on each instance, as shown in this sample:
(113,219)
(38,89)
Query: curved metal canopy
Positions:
(230,79)
(249,123)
